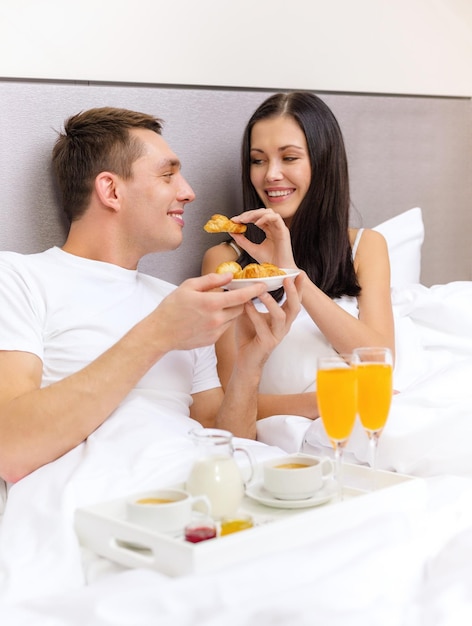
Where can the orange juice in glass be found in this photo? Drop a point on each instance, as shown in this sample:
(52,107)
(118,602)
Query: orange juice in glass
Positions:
(374,393)
(337,401)
(336,388)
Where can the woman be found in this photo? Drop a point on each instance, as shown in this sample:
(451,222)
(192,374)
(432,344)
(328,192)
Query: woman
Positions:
(294,163)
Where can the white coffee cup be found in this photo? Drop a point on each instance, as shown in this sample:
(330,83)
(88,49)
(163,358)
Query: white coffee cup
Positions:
(164,510)
(296,476)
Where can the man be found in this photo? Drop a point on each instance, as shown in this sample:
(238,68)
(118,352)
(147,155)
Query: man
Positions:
(83,333)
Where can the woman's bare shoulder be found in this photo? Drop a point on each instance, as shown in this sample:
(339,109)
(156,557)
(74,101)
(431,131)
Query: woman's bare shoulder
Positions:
(369,233)
(217,254)
(372,254)
(372,238)
(368,238)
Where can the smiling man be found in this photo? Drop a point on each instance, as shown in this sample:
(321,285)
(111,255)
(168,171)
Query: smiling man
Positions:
(83,332)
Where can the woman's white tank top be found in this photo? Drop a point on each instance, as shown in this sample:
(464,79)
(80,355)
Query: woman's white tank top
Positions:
(291,368)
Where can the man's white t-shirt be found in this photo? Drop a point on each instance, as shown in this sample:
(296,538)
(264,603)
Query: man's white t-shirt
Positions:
(68,310)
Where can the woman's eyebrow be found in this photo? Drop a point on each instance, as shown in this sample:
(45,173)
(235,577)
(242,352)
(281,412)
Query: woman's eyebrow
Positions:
(289,145)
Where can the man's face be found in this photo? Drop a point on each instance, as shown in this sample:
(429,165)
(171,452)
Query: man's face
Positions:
(153,200)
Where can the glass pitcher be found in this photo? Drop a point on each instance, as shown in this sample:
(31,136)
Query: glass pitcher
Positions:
(215,472)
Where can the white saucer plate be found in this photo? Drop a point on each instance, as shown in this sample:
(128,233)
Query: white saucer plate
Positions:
(272,282)
(259,494)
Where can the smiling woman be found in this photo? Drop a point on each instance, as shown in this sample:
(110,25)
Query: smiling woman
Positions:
(280,164)
(295,164)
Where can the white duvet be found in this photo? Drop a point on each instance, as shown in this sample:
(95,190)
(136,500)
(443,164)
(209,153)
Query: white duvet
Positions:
(404,565)
(429,430)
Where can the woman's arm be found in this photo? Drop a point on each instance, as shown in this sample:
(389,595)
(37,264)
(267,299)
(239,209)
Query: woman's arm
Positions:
(343,331)
(254,335)
(375,326)
(268,404)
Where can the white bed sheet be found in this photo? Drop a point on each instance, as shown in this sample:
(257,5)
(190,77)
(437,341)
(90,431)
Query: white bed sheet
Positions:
(386,569)
(408,567)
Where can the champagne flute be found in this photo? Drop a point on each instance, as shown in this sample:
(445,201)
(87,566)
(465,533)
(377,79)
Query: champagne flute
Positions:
(336,389)
(374,394)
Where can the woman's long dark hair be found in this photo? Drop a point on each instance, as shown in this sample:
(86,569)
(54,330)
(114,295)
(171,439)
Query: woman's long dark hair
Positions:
(319,228)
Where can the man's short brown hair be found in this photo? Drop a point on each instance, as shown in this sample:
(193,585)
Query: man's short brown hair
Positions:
(95,141)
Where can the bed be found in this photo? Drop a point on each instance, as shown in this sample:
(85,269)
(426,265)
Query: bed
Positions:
(398,556)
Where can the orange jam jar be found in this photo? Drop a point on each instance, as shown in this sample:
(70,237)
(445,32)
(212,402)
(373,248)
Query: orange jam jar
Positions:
(235,524)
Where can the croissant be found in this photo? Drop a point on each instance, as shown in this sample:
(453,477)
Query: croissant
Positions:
(253,270)
(272,270)
(229,266)
(264,270)
(221,224)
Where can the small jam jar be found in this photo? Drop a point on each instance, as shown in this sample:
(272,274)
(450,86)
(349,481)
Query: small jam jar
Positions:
(200,530)
(235,524)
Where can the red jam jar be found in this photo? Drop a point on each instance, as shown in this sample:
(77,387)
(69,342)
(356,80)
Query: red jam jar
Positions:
(200,531)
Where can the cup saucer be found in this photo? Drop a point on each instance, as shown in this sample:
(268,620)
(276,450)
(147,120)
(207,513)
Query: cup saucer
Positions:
(259,494)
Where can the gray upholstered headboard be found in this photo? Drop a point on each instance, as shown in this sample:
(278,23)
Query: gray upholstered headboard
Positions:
(403,152)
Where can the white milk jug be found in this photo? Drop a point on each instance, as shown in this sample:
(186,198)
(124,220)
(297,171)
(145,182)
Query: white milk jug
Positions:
(215,472)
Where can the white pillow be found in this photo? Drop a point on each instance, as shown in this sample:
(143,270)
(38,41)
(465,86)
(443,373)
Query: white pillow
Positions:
(404,234)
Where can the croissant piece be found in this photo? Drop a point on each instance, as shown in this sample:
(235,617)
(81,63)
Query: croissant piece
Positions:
(253,270)
(228,266)
(272,270)
(221,224)
(263,270)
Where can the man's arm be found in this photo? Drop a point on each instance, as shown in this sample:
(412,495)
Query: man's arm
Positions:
(39,425)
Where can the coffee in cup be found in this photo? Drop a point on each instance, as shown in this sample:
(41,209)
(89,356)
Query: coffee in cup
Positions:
(165,510)
(296,476)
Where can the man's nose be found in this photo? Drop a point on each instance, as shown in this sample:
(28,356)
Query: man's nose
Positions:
(186,193)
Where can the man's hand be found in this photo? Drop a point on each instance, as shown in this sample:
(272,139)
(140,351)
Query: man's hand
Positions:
(194,315)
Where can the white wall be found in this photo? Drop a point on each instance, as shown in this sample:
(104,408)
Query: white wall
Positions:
(419,47)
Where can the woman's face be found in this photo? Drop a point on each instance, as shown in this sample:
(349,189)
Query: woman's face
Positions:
(280,167)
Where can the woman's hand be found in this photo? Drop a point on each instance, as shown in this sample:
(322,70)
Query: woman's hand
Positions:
(276,247)
(258,333)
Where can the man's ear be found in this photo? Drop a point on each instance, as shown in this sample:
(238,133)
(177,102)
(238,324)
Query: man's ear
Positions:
(106,189)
